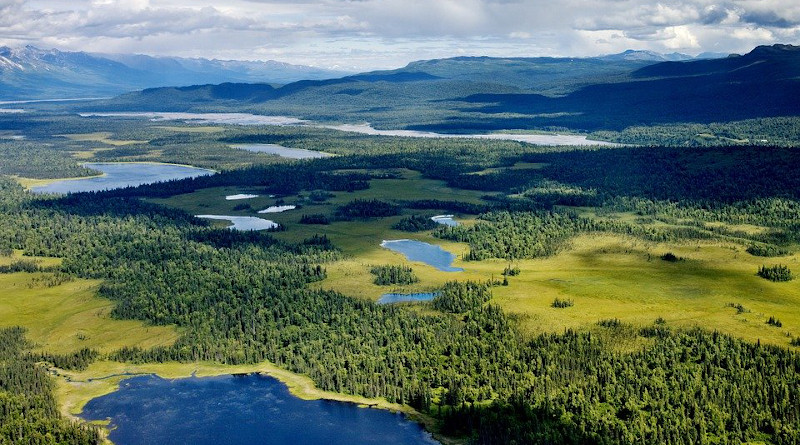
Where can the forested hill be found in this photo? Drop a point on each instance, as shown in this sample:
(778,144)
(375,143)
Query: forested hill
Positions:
(604,93)
(762,83)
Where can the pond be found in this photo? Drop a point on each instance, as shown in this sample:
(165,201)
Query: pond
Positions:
(243,222)
(446,220)
(240,196)
(122,174)
(241,409)
(284,152)
(392,298)
(277,209)
(429,254)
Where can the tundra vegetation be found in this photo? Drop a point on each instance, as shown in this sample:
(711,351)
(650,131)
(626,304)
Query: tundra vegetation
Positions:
(651,352)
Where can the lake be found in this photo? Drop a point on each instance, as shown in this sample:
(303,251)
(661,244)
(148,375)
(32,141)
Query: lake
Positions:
(122,174)
(429,254)
(243,222)
(284,152)
(242,410)
(392,298)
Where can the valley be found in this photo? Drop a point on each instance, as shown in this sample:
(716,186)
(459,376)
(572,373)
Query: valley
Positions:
(490,288)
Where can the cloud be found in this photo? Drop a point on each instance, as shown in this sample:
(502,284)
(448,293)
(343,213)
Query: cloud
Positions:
(388,33)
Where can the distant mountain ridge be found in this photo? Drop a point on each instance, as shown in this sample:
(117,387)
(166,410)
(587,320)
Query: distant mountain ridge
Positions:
(33,73)
(484,93)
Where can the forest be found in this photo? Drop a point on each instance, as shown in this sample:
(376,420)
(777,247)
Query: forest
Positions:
(246,297)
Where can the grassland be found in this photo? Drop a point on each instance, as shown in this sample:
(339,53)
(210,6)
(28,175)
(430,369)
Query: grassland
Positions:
(611,276)
(607,276)
(67,317)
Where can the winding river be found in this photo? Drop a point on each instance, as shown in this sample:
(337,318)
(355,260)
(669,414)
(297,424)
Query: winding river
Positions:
(255,119)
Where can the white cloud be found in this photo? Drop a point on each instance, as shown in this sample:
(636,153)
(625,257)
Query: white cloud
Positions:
(387,33)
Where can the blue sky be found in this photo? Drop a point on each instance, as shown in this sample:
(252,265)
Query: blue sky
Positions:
(371,34)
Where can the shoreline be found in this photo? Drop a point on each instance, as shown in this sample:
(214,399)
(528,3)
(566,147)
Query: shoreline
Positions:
(29,183)
(74,389)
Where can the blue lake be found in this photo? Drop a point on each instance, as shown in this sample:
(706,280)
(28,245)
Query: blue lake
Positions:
(284,152)
(392,298)
(427,253)
(242,410)
(124,174)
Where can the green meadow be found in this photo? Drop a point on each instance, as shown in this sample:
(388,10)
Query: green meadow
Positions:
(607,276)
(67,317)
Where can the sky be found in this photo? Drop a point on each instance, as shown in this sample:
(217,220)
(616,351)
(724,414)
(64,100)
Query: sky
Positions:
(359,35)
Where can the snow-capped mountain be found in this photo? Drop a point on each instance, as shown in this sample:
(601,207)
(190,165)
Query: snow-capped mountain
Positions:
(33,73)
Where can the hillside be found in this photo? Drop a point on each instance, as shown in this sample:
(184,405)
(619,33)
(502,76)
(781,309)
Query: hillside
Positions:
(762,83)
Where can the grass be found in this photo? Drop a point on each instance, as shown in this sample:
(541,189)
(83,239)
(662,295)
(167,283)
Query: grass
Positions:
(29,183)
(70,316)
(619,277)
(607,276)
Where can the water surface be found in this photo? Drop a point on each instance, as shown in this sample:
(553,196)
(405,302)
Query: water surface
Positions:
(427,253)
(392,298)
(446,220)
(284,152)
(122,174)
(243,222)
(206,118)
(242,410)
(536,139)
(255,119)
(277,209)
(240,196)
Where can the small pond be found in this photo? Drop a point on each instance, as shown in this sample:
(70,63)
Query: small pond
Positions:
(243,222)
(277,209)
(240,196)
(392,298)
(243,410)
(427,253)
(122,174)
(446,220)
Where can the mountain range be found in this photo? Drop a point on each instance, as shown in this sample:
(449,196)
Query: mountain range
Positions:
(457,94)
(33,73)
(483,93)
